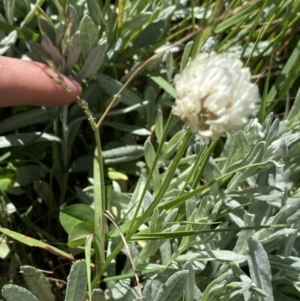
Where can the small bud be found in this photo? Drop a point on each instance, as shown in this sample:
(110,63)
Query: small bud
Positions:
(255,128)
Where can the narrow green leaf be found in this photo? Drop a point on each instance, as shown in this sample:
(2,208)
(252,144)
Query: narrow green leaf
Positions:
(186,54)
(150,158)
(93,62)
(190,287)
(164,84)
(8,41)
(88,35)
(73,51)
(26,118)
(56,56)
(35,243)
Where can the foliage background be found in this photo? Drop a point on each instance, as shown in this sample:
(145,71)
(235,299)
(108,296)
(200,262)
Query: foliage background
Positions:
(222,221)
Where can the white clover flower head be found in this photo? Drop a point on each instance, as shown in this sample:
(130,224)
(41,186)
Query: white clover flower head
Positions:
(214,94)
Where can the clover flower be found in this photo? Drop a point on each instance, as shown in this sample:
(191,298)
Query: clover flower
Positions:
(214,94)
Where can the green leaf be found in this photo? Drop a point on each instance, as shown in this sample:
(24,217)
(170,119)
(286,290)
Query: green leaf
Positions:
(93,62)
(4,248)
(56,56)
(8,178)
(136,22)
(149,158)
(37,283)
(79,233)
(23,138)
(150,35)
(35,243)
(186,54)
(259,267)
(95,11)
(295,111)
(112,87)
(77,282)
(8,41)
(164,84)
(74,51)
(190,287)
(26,118)
(88,35)
(74,214)
(13,292)
(173,288)
(288,264)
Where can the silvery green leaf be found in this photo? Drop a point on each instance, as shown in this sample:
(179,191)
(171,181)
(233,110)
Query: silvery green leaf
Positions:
(267,122)
(112,87)
(13,292)
(73,51)
(39,52)
(159,125)
(273,131)
(246,281)
(151,288)
(211,292)
(56,56)
(92,62)
(98,295)
(173,287)
(37,283)
(132,206)
(277,235)
(256,156)
(88,35)
(259,267)
(118,290)
(8,41)
(289,264)
(73,19)
(221,255)
(77,282)
(123,154)
(95,11)
(22,138)
(47,28)
(136,22)
(237,150)
(4,247)
(165,252)
(190,287)
(151,34)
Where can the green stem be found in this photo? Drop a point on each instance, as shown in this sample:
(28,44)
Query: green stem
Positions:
(99,203)
(202,36)
(153,205)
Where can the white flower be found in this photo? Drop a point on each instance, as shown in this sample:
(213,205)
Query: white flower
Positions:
(214,94)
